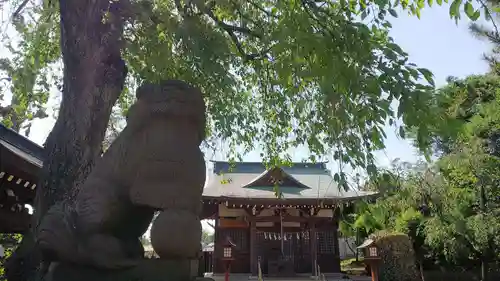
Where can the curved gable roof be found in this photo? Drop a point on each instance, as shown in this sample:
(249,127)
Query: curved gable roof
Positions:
(234,183)
(273,177)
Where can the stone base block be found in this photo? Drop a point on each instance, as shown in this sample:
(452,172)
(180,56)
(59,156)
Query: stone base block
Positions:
(147,270)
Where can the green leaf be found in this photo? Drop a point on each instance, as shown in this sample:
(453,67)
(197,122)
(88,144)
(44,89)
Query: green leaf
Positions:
(402,133)
(430,2)
(476,15)
(254,103)
(371,169)
(336,177)
(455,9)
(427,75)
(469,10)
(393,13)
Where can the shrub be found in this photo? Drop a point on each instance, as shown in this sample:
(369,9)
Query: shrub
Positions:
(398,258)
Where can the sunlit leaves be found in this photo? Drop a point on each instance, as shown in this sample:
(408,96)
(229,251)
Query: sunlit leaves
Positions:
(470,12)
(281,74)
(9,243)
(469,113)
(415,7)
(29,67)
(324,80)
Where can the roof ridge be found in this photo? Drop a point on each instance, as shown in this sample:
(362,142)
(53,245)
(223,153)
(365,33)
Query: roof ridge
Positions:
(21,142)
(267,171)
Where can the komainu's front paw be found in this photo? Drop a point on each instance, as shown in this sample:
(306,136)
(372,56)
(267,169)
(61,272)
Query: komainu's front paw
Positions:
(106,252)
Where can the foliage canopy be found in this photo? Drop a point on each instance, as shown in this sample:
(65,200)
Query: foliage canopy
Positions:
(450,209)
(276,74)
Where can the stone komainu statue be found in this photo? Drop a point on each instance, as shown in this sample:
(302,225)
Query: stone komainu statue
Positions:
(155,164)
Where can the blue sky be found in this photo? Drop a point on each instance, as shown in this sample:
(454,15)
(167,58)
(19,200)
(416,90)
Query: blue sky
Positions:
(435,42)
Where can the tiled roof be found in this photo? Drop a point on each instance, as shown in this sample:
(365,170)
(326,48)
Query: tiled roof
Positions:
(21,146)
(232,183)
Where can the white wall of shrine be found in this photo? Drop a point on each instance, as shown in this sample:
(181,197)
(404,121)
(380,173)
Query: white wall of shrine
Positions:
(230,212)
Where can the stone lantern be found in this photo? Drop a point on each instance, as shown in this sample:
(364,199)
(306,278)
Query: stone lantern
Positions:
(371,257)
(228,255)
(228,250)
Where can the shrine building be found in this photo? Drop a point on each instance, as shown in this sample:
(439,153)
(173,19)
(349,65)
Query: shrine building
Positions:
(20,163)
(283,220)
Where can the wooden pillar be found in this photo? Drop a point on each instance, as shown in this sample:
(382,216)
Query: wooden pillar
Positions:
(253,250)
(314,248)
(215,253)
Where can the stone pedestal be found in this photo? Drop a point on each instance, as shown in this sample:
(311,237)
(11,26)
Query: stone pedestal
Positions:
(147,270)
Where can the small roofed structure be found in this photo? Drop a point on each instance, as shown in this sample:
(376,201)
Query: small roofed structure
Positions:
(284,219)
(20,163)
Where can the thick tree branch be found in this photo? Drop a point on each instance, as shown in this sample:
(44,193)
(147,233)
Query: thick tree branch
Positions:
(230,30)
(17,12)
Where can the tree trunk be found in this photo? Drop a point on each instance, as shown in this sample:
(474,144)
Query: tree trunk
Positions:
(94,76)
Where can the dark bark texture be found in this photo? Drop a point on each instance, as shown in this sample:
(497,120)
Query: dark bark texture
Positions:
(94,76)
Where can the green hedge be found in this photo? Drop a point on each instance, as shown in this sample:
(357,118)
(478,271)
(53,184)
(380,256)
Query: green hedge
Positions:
(398,258)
